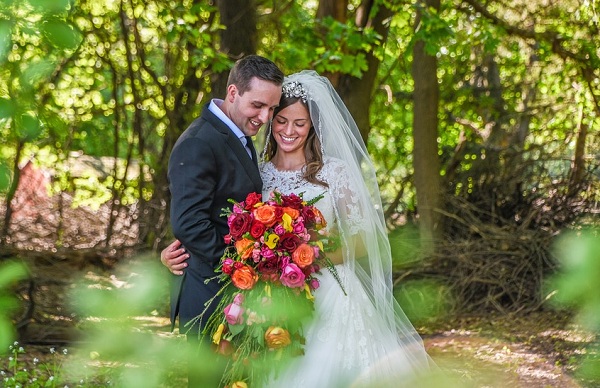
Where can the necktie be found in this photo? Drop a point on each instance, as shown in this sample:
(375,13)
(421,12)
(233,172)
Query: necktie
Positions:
(250,147)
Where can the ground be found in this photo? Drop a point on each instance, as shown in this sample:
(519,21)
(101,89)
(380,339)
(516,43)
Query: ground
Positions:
(486,350)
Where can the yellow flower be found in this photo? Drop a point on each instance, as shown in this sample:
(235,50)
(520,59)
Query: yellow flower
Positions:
(277,337)
(287,222)
(272,240)
(320,244)
(309,295)
(239,384)
(217,336)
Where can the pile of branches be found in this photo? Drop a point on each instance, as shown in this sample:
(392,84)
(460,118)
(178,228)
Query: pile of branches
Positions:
(492,266)
(496,252)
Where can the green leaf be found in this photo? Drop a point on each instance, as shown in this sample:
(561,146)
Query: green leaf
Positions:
(28,127)
(11,272)
(5,38)
(61,34)
(7,108)
(4,177)
(236,329)
(7,334)
(51,6)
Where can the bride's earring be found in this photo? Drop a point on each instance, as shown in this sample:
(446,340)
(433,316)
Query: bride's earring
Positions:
(267,138)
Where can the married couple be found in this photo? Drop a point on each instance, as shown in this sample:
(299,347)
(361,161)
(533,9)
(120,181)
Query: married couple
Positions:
(313,146)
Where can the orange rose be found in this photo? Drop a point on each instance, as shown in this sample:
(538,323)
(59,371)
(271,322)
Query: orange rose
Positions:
(266,214)
(244,278)
(291,212)
(320,219)
(277,337)
(303,256)
(244,248)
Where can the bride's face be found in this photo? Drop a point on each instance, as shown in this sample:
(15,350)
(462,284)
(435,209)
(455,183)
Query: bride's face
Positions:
(291,127)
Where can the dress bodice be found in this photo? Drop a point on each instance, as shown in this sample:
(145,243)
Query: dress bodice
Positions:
(339,196)
(288,182)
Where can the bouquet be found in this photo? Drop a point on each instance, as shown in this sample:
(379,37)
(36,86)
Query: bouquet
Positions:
(274,250)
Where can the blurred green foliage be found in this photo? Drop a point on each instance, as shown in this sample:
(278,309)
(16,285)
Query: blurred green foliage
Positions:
(10,273)
(575,287)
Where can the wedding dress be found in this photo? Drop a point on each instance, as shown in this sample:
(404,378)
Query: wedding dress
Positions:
(349,343)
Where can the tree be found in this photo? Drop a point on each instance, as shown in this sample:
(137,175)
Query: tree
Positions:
(425,128)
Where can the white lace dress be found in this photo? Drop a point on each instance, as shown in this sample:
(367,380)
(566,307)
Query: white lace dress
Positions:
(346,341)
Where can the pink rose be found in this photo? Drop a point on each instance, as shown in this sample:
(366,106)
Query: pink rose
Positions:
(238,299)
(314,283)
(234,312)
(266,252)
(278,229)
(292,276)
(227,266)
(299,227)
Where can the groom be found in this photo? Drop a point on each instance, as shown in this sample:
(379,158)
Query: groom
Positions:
(212,161)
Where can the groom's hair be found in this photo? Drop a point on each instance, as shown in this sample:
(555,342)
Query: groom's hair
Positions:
(253,66)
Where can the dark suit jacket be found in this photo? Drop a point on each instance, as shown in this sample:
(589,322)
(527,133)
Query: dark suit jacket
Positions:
(208,165)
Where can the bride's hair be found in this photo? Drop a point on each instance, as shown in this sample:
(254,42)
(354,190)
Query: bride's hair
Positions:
(312,148)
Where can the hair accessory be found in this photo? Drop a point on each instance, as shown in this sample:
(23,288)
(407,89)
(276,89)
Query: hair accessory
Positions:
(295,89)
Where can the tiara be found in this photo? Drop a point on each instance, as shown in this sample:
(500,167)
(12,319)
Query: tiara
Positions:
(295,89)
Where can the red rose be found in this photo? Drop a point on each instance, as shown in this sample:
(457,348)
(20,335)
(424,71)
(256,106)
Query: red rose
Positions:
(289,242)
(292,201)
(309,216)
(240,224)
(278,213)
(227,239)
(257,229)
(252,199)
(268,267)
(224,347)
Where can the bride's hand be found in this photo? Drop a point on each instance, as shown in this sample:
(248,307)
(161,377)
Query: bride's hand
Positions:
(174,257)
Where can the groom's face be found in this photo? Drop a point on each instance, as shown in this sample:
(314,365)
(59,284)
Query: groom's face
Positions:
(254,108)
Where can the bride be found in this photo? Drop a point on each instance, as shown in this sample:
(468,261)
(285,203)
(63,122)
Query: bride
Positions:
(362,337)
(359,336)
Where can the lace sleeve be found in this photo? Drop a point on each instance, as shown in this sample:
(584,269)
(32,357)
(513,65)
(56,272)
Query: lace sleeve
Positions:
(345,197)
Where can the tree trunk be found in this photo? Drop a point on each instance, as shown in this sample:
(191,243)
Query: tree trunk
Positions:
(238,38)
(12,190)
(425,132)
(357,92)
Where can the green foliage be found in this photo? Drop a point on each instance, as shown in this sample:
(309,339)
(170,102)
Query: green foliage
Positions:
(40,375)
(423,300)
(576,284)
(10,273)
(575,287)
(113,336)
(336,47)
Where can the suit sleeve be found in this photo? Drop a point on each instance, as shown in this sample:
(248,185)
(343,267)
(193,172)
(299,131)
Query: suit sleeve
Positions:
(192,181)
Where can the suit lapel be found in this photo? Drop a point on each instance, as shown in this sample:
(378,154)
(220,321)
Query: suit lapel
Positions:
(250,166)
(236,146)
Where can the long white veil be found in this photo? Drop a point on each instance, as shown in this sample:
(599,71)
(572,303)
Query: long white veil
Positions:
(340,138)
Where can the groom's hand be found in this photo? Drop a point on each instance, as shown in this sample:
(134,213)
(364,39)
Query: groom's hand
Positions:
(174,257)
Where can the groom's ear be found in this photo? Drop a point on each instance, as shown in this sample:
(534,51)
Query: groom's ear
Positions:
(232,92)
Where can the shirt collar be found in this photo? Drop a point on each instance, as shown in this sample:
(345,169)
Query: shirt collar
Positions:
(215,108)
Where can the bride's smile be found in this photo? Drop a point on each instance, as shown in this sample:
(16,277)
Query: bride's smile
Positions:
(291,127)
